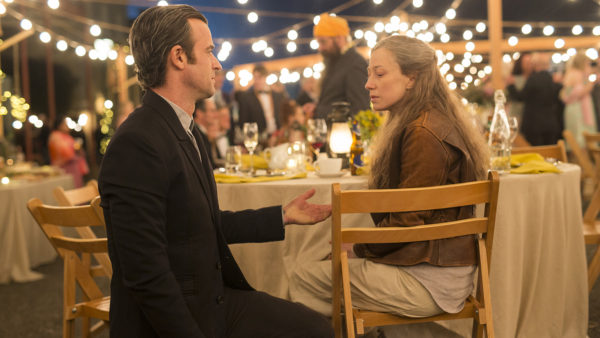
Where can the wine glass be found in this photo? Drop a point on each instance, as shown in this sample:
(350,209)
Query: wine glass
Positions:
(513,124)
(251,141)
(317,134)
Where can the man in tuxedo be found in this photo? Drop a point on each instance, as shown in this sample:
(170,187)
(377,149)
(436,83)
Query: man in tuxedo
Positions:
(260,104)
(174,275)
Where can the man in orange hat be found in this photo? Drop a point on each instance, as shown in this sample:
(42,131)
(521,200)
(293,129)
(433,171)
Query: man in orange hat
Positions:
(345,70)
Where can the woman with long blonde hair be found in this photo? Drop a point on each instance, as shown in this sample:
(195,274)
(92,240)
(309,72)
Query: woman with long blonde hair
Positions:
(427,140)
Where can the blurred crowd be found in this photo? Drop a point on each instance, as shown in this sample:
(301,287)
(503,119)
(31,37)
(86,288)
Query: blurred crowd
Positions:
(548,100)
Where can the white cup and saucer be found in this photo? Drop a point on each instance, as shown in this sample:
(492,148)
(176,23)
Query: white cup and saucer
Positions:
(328,167)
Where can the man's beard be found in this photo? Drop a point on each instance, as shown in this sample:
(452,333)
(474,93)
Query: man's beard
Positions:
(331,57)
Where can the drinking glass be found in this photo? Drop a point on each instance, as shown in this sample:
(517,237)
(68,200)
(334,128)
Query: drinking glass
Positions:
(233,159)
(513,124)
(316,134)
(251,141)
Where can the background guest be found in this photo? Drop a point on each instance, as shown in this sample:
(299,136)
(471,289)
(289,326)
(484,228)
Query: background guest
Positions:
(542,111)
(292,128)
(345,69)
(520,72)
(576,94)
(66,153)
(260,104)
(208,121)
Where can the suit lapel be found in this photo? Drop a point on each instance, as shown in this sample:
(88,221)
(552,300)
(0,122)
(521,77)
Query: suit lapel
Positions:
(209,181)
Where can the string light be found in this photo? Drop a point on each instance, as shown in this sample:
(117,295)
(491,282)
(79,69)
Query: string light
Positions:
(444,38)
(252,17)
(480,27)
(359,34)
(316,20)
(470,46)
(559,43)
(526,29)
(451,14)
(162,3)
(291,46)
(45,37)
(53,4)
(467,35)
(596,30)
(2,9)
(377,2)
(129,60)
(548,30)
(314,44)
(417,3)
(292,34)
(269,52)
(242,2)
(95,30)
(379,27)
(440,28)
(513,40)
(80,51)
(62,45)
(577,29)
(230,76)
(26,24)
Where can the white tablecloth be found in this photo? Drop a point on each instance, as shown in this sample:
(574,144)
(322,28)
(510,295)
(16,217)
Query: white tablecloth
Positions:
(23,245)
(538,272)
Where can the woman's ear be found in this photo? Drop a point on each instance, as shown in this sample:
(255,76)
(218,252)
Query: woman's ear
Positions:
(411,82)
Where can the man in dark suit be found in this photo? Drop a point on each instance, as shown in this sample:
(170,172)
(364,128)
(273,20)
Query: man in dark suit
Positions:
(260,104)
(174,275)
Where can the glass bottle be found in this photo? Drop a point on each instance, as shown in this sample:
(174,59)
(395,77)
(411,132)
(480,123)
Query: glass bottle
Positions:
(356,151)
(499,138)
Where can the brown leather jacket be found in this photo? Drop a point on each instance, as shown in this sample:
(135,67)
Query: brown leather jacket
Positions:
(430,152)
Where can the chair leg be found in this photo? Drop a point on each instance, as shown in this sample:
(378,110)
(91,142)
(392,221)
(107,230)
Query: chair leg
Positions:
(594,268)
(85,327)
(68,328)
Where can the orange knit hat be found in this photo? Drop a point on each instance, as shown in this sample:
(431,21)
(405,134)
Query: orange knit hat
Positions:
(331,26)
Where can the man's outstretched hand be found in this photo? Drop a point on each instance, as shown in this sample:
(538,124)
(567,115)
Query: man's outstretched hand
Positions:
(299,211)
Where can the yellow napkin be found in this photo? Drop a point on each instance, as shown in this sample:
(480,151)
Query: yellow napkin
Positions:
(224,178)
(259,162)
(531,163)
(519,159)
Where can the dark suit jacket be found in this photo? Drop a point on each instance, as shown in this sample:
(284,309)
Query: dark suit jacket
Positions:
(344,81)
(250,109)
(542,112)
(167,238)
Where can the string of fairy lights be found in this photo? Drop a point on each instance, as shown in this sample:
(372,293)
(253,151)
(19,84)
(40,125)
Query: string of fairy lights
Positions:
(459,70)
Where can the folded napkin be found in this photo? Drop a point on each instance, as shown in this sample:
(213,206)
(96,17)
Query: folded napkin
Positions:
(224,178)
(531,163)
(259,162)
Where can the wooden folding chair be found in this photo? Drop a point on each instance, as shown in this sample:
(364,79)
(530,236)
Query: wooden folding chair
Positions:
(588,169)
(77,271)
(81,196)
(416,199)
(556,151)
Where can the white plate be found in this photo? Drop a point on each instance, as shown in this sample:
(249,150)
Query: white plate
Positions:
(324,175)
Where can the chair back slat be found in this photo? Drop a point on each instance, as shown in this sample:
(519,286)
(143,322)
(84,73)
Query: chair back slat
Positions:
(581,156)
(78,196)
(464,227)
(80,245)
(414,199)
(556,151)
(78,216)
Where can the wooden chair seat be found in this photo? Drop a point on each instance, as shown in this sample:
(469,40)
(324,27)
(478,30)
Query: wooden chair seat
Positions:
(478,307)
(97,308)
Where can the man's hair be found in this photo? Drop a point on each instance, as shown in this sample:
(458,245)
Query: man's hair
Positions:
(260,69)
(152,36)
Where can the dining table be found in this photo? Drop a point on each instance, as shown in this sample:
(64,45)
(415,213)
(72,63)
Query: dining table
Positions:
(538,269)
(23,245)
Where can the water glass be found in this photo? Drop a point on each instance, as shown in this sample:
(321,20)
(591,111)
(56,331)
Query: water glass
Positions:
(233,159)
